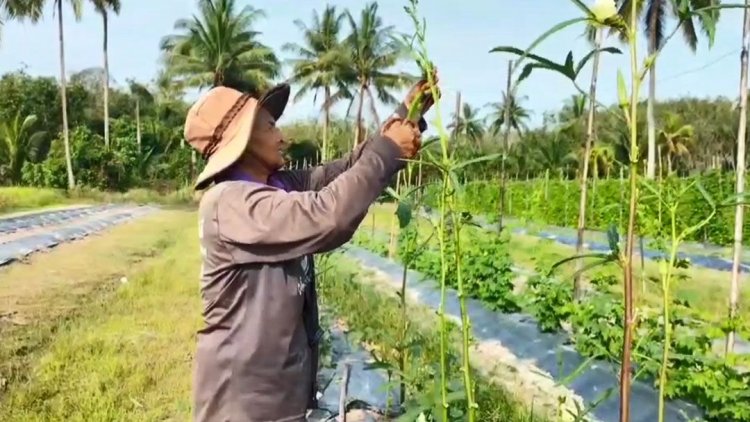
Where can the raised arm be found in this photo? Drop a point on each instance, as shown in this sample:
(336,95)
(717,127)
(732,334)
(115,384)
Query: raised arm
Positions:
(320,176)
(264,224)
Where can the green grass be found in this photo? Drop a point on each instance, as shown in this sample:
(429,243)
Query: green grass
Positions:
(18,199)
(13,199)
(82,346)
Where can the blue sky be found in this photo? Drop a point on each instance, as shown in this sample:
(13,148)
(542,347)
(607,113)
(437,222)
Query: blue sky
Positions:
(460,34)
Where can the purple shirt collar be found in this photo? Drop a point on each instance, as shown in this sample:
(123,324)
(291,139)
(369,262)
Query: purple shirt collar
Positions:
(235,173)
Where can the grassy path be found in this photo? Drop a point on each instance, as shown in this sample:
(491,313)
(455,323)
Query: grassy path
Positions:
(79,344)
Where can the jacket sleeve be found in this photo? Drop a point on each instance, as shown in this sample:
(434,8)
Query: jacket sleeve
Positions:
(318,177)
(262,224)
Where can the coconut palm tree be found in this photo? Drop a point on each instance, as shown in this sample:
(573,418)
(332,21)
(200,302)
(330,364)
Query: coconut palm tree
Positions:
(19,142)
(468,124)
(554,152)
(32,10)
(219,47)
(519,115)
(602,159)
(19,9)
(322,62)
(3,16)
(675,139)
(374,52)
(142,95)
(655,16)
(104,7)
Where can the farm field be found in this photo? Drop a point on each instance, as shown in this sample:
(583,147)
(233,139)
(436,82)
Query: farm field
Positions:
(704,288)
(559,235)
(76,328)
(82,322)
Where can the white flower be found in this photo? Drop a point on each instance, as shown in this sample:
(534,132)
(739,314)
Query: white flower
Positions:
(604,9)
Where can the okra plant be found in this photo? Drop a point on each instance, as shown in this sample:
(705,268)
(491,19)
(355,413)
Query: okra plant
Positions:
(447,167)
(604,13)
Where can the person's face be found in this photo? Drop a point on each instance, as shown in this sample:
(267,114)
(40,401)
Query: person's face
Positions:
(267,145)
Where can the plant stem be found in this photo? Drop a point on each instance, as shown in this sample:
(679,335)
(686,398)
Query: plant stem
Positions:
(392,235)
(628,267)
(408,250)
(402,340)
(506,136)
(734,290)
(585,171)
(441,309)
(666,296)
(465,323)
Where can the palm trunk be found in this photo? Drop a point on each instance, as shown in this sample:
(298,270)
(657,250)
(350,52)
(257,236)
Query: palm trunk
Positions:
(373,109)
(457,122)
(64,99)
(650,120)
(193,162)
(358,136)
(660,161)
(669,163)
(584,174)
(326,121)
(106,81)
(506,137)
(740,188)
(138,123)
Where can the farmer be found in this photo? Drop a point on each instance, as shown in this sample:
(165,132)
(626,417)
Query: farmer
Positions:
(257,353)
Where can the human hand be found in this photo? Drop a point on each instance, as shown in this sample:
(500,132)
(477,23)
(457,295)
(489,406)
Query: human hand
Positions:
(405,134)
(424,88)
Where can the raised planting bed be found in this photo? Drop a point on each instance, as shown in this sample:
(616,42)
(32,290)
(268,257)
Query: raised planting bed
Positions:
(66,228)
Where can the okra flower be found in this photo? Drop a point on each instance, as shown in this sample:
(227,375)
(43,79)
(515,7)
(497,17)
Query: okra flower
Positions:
(603,10)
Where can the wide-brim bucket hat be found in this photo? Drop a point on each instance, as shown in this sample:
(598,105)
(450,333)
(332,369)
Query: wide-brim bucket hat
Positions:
(219,125)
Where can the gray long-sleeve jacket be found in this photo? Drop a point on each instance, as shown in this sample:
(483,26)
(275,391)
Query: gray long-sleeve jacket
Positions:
(257,354)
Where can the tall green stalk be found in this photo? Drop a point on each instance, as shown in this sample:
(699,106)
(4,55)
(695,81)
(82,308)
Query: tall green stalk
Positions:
(441,308)
(632,118)
(666,270)
(447,205)
(465,322)
(666,299)
(407,259)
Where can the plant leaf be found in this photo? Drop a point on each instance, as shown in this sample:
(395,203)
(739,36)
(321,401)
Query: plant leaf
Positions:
(613,238)
(404,213)
(525,72)
(558,27)
(592,53)
(569,63)
(393,193)
(705,193)
(523,54)
(622,90)
(489,157)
